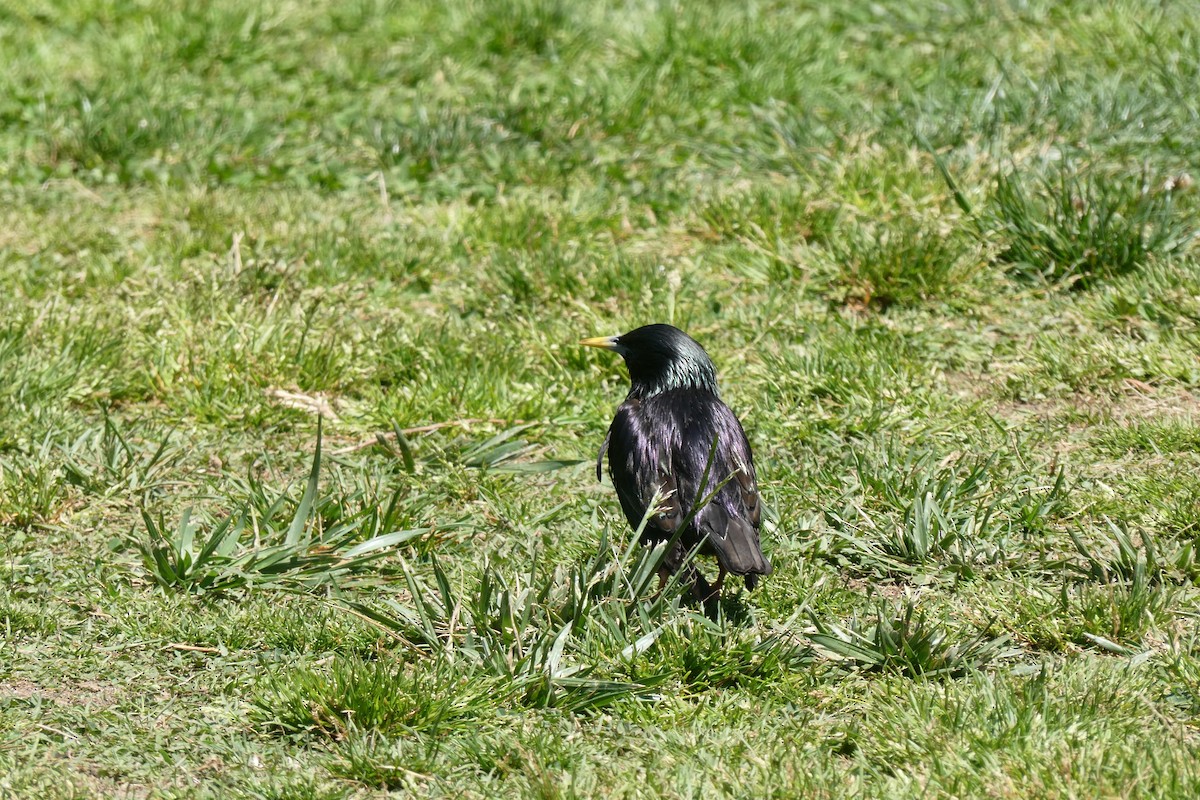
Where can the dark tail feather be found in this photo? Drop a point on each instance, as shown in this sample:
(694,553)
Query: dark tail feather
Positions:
(735,543)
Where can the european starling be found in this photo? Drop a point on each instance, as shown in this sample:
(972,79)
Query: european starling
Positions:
(660,441)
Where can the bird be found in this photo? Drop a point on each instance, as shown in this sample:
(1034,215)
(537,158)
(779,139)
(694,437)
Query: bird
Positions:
(659,446)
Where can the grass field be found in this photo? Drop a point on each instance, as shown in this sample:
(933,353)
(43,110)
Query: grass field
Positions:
(942,255)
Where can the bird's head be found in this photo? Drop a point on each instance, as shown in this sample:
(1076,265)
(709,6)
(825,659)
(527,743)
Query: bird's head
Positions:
(660,358)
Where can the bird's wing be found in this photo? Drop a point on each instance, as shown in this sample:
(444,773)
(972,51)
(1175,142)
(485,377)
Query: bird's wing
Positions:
(732,517)
(747,485)
(639,461)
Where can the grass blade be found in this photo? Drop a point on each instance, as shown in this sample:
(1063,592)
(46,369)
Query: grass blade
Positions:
(304,510)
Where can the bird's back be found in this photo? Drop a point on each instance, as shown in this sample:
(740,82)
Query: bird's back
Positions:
(662,443)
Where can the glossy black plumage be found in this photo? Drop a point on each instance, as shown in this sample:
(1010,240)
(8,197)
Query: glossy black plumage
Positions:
(660,441)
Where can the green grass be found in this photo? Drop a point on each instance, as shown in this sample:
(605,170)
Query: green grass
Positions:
(943,256)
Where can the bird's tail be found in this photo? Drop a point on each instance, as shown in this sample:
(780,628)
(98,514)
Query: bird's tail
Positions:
(735,543)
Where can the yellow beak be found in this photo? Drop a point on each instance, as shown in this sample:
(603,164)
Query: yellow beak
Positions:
(600,341)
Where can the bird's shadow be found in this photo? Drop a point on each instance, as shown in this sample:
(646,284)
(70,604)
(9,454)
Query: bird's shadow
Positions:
(732,608)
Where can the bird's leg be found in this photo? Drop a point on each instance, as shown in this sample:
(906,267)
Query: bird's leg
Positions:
(709,595)
(716,590)
(664,575)
(701,591)
(672,564)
